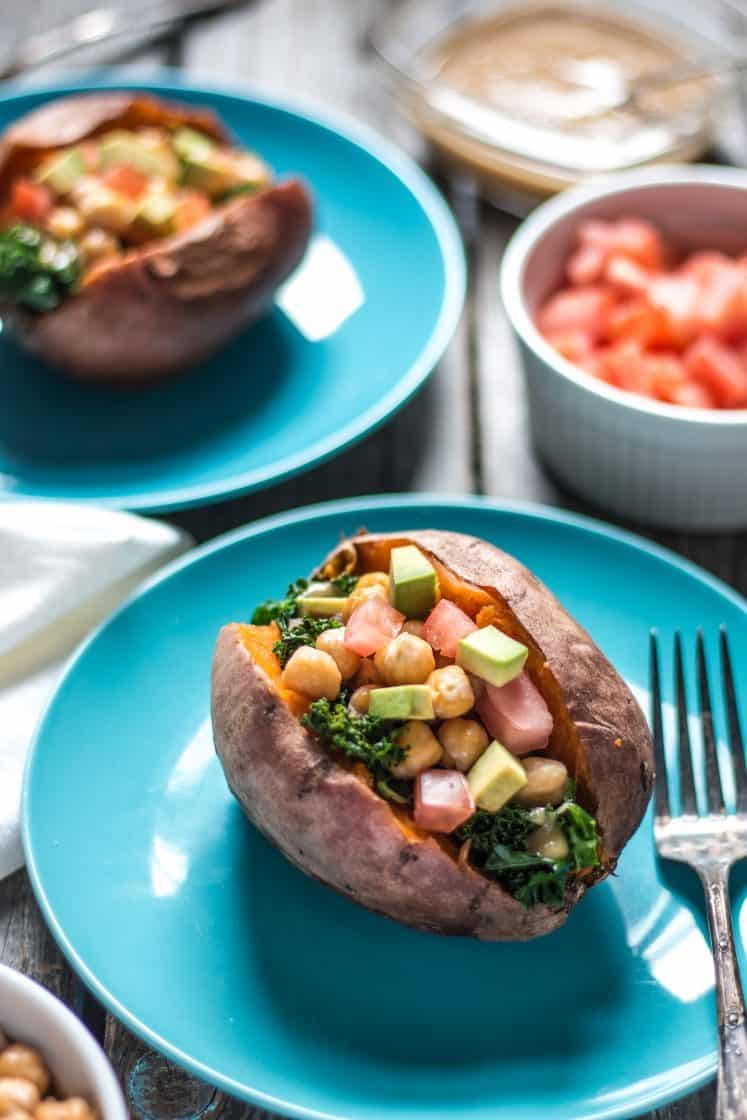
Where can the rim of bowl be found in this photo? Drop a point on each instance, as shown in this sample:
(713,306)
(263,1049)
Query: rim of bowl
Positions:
(533,229)
(57,1017)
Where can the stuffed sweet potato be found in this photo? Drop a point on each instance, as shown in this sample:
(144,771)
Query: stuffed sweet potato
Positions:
(424,728)
(134,238)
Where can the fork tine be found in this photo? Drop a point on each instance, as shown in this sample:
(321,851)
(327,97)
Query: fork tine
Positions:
(684,755)
(714,792)
(661,785)
(735,733)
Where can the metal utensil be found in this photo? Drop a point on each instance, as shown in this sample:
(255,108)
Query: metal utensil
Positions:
(710,844)
(102,25)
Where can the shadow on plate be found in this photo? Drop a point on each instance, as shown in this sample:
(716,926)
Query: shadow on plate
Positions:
(120,425)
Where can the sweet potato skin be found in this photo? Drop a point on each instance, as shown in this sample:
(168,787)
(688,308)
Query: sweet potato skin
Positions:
(172,303)
(336,829)
(328,823)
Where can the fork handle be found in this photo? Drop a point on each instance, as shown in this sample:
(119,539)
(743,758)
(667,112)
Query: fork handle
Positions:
(731,1096)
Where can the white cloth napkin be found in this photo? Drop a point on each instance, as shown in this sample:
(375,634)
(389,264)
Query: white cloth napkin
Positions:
(63,568)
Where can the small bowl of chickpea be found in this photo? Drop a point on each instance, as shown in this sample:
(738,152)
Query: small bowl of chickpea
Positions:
(51,1068)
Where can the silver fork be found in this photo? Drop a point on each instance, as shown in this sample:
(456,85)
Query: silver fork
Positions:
(710,844)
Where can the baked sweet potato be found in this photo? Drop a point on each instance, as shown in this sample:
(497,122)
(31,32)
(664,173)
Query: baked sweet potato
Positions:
(162,302)
(305,761)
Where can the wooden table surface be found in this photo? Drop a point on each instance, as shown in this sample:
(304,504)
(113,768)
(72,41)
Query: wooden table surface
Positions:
(465,433)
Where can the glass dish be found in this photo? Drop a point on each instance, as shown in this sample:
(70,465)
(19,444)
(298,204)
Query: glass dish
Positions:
(515,92)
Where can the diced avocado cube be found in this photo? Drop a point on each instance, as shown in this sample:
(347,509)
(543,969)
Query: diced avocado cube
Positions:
(191,145)
(156,214)
(491,655)
(62,172)
(127,148)
(413,582)
(495,778)
(404,701)
(322,606)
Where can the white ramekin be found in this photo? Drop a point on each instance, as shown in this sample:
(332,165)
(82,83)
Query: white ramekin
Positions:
(30,1014)
(659,464)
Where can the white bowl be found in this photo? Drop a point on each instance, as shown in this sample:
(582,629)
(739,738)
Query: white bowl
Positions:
(679,468)
(30,1014)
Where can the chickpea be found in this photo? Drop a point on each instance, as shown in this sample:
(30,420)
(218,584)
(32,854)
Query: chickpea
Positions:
(22,1061)
(332,641)
(64,222)
(373,579)
(367,673)
(358,597)
(16,1093)
(546,782)
(413,626)
(463,741)
(313,673)
(75,1108)
(423,749)
(549,841)
(452,692)
(405,660)
(96,244)
(360,699)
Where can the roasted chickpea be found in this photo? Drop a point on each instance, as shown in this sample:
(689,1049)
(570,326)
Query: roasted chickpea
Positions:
(463,741)
(18,1094)
(23,1061)
(413,626)
(367,673)
(452,692)
(358,597)
(549,841)
(64,222)
(546,782)
(97,244)
(75,1108)
(360,699)
(313,673)
(405,660)
(423,749)
(332,641)
(373,579)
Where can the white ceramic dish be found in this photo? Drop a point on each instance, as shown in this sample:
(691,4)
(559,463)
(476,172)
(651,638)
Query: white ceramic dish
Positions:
(656,463)
(30,1014)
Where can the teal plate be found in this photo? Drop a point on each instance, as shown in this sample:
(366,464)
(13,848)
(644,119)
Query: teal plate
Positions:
(353,335)
(196,933)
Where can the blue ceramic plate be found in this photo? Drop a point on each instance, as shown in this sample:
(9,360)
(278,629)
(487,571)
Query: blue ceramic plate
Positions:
(205,941)
(354,333)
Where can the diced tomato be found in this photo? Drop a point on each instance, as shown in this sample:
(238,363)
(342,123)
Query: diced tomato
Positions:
(586,265)
(30,201)
(691,394)
(624,366)
(574,309)
(666,375)
(639,240)
(637,319)
(371,625)
(445,625)
(576,346)
(626,274)
(720,369)
(442,800)
(191,208)
(516,715)
(676,295)
(722,307)
(125,180)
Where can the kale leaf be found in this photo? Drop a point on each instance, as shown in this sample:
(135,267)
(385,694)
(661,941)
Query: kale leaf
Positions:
(303,632)
(280,610)
(581,831)
(509,827)
(36,271)
(360,738)
(344,584)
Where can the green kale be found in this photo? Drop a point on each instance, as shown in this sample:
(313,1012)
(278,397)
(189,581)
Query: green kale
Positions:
(544,887)
(581,832)
(280,610)
(360,738)
(509,827)
(344,583)
(303,632)
(36,271)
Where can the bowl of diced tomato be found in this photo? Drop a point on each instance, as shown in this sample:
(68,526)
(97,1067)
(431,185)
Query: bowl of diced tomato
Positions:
(628,298)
